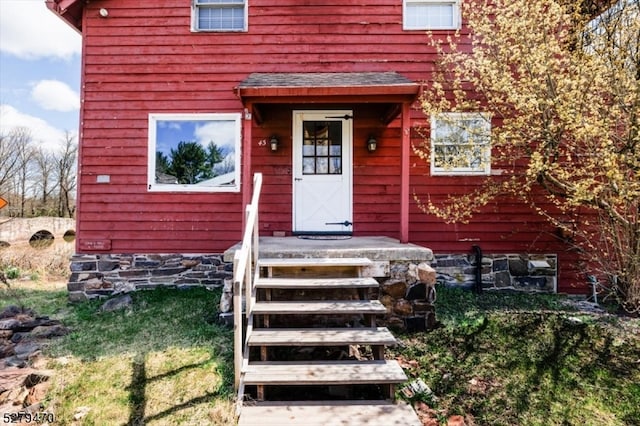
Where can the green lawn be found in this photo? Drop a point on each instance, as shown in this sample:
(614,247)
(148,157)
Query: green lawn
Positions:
(498,359)
(504,359)
(161,362)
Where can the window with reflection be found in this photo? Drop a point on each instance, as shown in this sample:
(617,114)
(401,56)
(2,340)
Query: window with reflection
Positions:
(194,152)
(460,144)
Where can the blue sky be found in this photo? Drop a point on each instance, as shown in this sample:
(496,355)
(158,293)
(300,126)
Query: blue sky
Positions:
(170,132)
(39,72)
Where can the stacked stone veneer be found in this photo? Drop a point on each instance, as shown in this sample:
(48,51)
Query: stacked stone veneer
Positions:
(109,274)
(525,272)
(408,293)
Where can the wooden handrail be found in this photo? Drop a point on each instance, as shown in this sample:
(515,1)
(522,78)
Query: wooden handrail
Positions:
(244,265)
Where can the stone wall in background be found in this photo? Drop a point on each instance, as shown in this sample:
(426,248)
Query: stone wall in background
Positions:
(110,274)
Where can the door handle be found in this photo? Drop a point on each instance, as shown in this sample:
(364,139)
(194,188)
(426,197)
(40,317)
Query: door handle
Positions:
(297,179)
(345,223)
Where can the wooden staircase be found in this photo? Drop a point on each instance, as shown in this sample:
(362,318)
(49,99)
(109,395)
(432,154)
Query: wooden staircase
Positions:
(308,317)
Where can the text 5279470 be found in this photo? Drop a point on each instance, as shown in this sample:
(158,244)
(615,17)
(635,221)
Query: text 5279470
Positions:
(39,417)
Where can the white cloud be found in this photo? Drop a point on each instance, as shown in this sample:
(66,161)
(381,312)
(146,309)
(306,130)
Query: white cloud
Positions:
(41,131)
(222,133)
(29,30)
(55,95)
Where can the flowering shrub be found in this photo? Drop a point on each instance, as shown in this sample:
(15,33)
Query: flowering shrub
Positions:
(561,81)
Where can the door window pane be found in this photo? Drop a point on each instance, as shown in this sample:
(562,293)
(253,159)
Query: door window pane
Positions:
(308,149)
(335,168)
(322,149)
(322,166)
(309,166)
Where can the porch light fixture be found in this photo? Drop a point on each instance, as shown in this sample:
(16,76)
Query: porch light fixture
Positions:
(372,144)
(104,12)
(274,143)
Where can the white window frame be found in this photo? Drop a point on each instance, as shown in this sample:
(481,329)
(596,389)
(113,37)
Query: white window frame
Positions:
(232,135)
(456,14)
(484,144)
(197,5)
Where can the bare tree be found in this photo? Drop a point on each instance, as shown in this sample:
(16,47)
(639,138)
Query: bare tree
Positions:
(65,163)
(8,160)
(22,145)
(44,163)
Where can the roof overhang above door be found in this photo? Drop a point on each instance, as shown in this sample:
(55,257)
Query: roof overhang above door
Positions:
(388,88)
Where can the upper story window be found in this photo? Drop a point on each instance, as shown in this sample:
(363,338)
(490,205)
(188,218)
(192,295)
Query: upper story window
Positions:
(431,14)
(460,144)
(194,152)
(219,15)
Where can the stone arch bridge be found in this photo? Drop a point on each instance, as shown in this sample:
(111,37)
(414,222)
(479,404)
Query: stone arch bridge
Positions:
(23,230)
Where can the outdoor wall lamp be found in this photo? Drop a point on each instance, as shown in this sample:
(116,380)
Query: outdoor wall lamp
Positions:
(104,12)
(274,143)
(372,144)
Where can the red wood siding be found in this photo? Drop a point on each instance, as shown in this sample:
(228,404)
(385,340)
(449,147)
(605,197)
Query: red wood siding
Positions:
(144,59)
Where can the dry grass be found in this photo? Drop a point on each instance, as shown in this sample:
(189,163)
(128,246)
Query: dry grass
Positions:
(40,264)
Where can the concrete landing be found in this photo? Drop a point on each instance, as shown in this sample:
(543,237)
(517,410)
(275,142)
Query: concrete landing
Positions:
(374,248)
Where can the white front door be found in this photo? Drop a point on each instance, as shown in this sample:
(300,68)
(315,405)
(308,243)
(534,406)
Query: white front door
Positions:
(322,172)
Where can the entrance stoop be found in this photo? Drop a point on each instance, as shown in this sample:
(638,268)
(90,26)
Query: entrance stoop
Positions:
(376,249)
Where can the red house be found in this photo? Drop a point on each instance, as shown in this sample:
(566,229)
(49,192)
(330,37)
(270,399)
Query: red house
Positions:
(184,101)
(319,97)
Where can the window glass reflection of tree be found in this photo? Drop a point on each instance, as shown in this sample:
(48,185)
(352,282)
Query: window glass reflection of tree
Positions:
(190,162)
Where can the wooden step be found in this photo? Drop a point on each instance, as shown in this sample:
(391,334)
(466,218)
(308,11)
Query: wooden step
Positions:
(321,337)
(324,373)
(329,413)
(313,262)
(315,283)
(337,307)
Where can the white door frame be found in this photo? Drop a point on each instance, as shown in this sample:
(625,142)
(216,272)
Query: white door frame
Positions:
(307,186)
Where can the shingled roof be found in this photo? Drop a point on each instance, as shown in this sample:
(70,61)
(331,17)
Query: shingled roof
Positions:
(388,88)
(317,79)
(342,87)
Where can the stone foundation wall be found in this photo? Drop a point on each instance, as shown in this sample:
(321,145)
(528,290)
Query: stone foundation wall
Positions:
(408,292)
(110,274)
(407,288)
(525,272)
